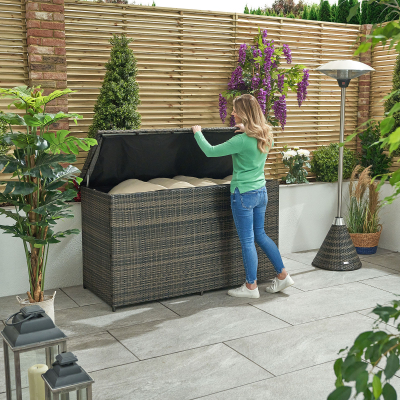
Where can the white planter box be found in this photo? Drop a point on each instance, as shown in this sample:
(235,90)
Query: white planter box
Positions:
(306,213)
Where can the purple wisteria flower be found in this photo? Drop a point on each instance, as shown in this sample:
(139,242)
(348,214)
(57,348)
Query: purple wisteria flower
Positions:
(287,53)
(236,78)
(302,87)
(279,108)
(242,53)
(232,121)
(264,36)
(222,107)
(268,51)
(262,101)
(281,79)
(274,65)
(255,81)
(257,53)
(266,83)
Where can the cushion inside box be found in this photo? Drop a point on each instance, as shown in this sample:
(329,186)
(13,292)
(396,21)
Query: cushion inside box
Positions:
(125,156)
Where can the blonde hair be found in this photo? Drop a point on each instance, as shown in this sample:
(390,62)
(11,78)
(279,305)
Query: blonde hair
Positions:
(249,111)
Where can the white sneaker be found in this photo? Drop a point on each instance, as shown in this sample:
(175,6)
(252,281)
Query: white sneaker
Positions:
(280,284)
(243,291)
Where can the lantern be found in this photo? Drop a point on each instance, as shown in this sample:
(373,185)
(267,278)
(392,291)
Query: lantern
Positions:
(30,344)
(67,380)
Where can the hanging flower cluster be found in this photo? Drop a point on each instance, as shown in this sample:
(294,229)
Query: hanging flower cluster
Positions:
(259,73)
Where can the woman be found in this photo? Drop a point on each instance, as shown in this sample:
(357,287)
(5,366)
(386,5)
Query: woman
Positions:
(249,197)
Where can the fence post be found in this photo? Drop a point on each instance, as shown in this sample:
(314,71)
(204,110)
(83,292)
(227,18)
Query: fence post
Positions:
(364,83)
(47,64)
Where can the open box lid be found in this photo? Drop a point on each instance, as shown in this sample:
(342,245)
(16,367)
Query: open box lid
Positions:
(153,153)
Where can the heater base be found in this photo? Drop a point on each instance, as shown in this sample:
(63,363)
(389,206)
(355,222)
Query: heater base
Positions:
(337,252)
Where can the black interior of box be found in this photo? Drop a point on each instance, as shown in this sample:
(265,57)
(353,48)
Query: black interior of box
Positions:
(129,156)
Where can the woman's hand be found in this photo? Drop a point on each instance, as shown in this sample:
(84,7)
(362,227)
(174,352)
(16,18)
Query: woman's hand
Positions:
(240,127)
(196,128)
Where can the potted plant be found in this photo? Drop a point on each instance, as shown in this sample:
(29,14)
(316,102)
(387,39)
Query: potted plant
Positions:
(363,211)
(42,183)
(294,160)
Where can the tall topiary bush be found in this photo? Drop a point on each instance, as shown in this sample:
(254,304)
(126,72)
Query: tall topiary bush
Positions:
(391,101)
(246,10)
(324,11)
(305,12)
(342,11)
(333,12)
(356,18)
(313,15)
(116,106)
(364,10)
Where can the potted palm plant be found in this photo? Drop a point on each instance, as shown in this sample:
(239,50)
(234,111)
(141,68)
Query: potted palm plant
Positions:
(363,211)
(41,184)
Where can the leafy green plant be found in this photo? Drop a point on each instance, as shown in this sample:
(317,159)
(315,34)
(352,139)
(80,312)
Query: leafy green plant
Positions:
(313,14)
(333,12)
(4,147)
(39,171)
(364,205)
(295,160)
(342,11)
(372,154)
(116,106)
(325,162)
(358,369)
(324,12)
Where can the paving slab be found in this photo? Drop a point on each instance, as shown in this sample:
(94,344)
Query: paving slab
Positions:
(292,265)
(391,261)
(98,318)
(203,328)
(189,305)
(389,283)
(305,257)
(379,252)
(304,345)
(312,278)
(81,296)
(9,304)
(368,313)
(316,304)
(101,351)
(181,376)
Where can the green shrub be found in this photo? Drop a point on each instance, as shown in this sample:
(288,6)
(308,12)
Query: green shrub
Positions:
(116,106)
(325,162)
(4,147)
(313,15)
(246,10)
(364,10)
(373,155)
(356,18)
(342,11)
(305,12)
(333,12)
(324,13)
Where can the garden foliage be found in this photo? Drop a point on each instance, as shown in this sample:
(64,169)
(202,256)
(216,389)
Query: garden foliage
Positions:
(116,106)
(325,162)
(324,13)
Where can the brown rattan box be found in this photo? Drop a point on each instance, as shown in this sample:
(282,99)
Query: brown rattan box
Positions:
(155,245)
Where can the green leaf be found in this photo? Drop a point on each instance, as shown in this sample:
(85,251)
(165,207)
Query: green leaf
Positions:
(349,139)
(361,382)
(19,188)
(351,373)
(364,46)
(340,393)
(56,94)
(392,365)
(387,124)
(376,386)
(388,392)
(12,119)
(394,137)
(394,109)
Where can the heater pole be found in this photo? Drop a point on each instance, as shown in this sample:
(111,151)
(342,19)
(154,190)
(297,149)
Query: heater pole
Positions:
(341,149)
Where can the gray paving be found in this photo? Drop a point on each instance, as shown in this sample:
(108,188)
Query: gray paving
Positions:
(215,347)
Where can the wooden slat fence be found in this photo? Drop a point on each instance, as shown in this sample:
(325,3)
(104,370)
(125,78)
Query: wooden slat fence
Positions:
(185,58)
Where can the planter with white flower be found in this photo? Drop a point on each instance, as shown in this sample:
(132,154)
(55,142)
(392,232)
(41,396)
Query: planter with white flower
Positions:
(295,160)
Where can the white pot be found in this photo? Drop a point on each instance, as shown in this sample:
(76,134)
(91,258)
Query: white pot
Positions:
(47,304)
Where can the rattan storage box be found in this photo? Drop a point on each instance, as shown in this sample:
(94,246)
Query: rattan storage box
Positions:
(149,246)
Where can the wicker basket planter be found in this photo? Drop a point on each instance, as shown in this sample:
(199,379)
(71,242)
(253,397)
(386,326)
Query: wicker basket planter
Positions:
(150,246)
(366,243)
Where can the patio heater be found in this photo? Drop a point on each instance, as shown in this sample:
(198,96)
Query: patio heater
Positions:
(337,252)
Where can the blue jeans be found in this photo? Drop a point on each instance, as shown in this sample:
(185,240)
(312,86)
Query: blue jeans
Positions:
(248,211)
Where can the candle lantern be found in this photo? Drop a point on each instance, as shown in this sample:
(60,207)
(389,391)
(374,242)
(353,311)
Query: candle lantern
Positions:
(30,342)
(67,380)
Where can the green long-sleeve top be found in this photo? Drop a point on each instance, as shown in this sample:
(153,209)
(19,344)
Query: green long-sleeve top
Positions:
(248,161)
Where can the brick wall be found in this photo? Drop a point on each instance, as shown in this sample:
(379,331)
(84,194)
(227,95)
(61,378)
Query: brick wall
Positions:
(364,84)
(46,51)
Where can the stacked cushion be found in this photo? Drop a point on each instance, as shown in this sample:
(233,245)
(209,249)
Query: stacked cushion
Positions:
(194,181)
(171,183)
(135,186)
